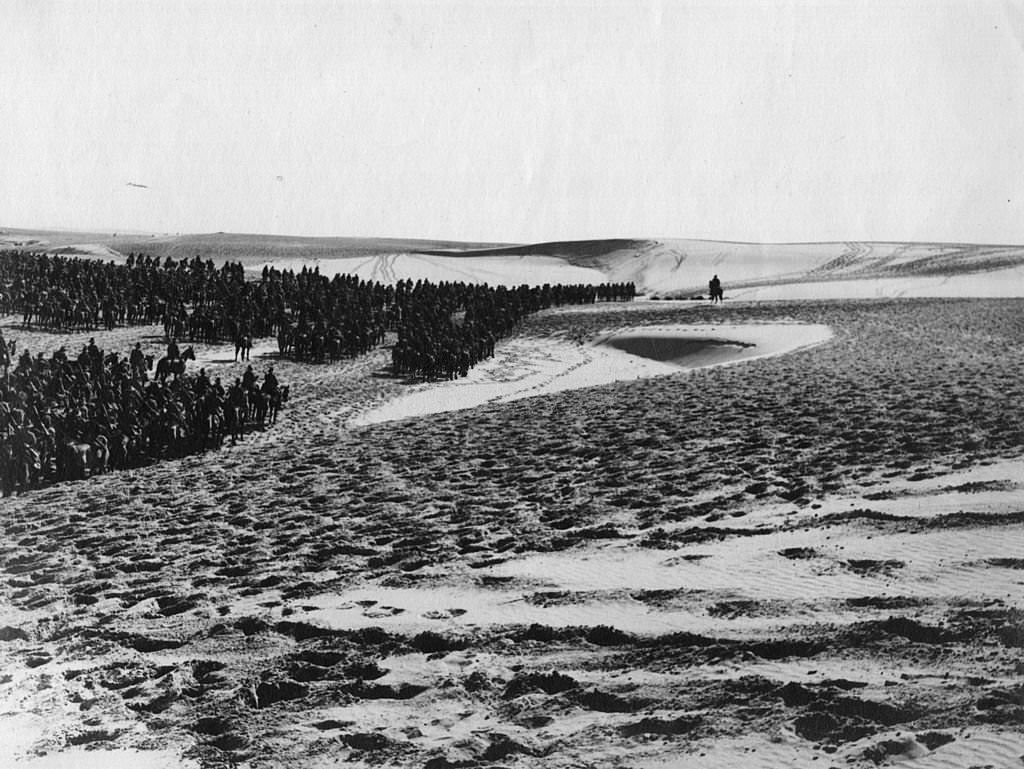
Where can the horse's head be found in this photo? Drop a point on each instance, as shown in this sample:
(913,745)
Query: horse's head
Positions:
(189,354)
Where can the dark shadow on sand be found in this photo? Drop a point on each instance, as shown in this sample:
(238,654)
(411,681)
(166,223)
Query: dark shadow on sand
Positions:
(679,350)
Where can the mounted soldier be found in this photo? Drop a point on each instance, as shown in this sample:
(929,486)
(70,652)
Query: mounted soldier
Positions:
(202,382)
(138,362)
(249,379)
(715,290)
(5,356)
(270,382)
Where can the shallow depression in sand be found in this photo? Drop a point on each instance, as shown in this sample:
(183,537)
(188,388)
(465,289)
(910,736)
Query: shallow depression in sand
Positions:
(682,351)
(526,367)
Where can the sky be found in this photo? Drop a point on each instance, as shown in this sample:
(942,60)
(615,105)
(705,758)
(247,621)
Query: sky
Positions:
(517,121)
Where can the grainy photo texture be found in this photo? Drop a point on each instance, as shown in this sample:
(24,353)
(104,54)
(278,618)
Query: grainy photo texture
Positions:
(454,385)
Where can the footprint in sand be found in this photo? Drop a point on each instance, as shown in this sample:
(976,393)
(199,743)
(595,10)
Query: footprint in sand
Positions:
(443,613)
(383,612)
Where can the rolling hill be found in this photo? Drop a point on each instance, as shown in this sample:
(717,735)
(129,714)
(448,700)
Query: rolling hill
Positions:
(662,268)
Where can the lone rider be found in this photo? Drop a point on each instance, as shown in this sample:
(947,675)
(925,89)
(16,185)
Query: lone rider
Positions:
(715,289)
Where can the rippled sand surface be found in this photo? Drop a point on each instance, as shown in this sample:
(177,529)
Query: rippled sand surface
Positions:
(807,558)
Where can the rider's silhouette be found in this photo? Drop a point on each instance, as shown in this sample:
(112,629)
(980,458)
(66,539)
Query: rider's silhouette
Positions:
(715,289)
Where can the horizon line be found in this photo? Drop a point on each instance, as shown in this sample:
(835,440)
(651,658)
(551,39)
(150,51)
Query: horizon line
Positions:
(485,245)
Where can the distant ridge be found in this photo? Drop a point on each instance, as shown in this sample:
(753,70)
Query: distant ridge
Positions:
(257,249)
(662,268)
(565,249)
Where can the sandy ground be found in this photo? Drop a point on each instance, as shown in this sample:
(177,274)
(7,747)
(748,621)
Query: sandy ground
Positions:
(666,267)
(1005,283)
(807,554)
(529,367)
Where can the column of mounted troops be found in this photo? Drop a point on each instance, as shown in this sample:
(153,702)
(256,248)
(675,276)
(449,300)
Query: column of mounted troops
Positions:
(66,417)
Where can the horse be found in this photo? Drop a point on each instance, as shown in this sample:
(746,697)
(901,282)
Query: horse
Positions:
(139,369)
(243,345)
(166,366)
(234,420)
(210,428)
(259,405)
(19,468)
(277,400)
(83,460)
(284,340)
(99,455)
(77,460)
(120,450)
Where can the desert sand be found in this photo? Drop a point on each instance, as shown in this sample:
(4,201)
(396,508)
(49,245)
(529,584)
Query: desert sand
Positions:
(666,268)
(793,540)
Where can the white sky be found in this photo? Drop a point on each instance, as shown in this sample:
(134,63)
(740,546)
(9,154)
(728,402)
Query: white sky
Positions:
(515,121)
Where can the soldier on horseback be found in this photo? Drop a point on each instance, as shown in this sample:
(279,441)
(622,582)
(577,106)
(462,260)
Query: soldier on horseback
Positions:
(138,362)
(235,410)
(202,382)
(5,357)
(270,382)
(715,290)
(249,379)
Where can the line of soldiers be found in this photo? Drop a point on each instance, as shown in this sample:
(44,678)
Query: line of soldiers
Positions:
(314,317)
(71,417)
(72,293)
(447,329)
(444,328)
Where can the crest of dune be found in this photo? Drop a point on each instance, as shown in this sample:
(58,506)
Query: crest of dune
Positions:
(666,268)
(678,268)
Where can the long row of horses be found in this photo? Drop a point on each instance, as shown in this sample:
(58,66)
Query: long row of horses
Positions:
(313,317)
(63,418)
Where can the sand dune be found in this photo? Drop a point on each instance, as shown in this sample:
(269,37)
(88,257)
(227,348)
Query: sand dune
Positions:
(681,268)
(669,267)
(803,552)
